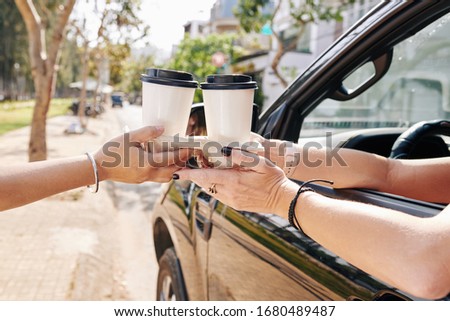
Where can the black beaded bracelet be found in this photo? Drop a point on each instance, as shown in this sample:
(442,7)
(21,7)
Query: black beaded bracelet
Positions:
(292,218)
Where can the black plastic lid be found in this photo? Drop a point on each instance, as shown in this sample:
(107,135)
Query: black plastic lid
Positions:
(226,82)
(169,78)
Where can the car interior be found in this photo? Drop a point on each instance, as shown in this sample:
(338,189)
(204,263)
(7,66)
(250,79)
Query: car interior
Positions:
(396,105)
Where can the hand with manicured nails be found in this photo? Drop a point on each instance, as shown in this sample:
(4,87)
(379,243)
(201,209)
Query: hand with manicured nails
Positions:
(254,184)
(125,158)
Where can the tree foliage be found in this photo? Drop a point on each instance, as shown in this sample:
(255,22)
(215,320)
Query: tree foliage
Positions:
(118,55)
(45,22)
(253,16)
(250,14)
(194,55)
(14,60)
(69,67)
(132,69)
(118,28)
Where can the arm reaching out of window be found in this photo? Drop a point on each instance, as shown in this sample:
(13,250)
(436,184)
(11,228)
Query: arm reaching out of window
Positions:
(407,252)
(349,168)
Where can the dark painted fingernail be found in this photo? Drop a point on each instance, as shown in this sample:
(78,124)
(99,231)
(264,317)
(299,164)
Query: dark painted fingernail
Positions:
(226,151)
(175,176)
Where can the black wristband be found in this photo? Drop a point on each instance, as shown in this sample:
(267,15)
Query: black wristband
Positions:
(292,218)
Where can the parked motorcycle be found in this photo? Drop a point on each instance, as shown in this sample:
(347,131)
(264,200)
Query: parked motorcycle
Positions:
(89,110)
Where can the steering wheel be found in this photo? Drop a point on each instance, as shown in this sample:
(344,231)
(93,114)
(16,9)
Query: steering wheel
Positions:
(406,142)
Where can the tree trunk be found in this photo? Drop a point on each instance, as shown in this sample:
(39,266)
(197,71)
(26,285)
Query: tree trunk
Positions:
(43,84)
(83,94)
(37,147)
(281,51)
(280,48)
(96,100)
(42,68)
(276,61)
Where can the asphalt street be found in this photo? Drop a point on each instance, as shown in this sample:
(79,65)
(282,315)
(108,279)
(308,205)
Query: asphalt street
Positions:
(134,204)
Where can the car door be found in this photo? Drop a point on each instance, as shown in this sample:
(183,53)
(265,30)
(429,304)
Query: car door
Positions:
(258,256)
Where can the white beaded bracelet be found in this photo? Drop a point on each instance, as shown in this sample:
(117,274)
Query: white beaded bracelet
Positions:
(94,166)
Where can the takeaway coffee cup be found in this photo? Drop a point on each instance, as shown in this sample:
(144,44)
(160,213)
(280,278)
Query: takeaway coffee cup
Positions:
(167,97)
(228,101)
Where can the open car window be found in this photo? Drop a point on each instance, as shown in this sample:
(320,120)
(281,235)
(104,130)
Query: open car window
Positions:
(415,88)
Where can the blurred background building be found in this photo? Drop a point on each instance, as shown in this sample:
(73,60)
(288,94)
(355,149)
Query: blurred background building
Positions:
(261,48)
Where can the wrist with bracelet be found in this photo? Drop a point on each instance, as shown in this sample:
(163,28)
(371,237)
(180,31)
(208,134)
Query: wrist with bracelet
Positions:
(292,218)
(94,167)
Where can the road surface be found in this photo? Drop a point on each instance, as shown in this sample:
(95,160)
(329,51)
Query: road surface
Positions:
(134,204)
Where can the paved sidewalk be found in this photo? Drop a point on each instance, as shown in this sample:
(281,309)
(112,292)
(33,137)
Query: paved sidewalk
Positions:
(66,247)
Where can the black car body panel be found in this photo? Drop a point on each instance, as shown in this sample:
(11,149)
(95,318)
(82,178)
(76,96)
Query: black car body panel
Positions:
(226,254)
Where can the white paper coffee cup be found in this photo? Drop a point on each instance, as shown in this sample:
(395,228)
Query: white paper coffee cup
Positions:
(228,104)
(167,97)
(228,101)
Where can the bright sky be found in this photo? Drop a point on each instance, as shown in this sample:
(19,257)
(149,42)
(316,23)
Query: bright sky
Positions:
(167,17)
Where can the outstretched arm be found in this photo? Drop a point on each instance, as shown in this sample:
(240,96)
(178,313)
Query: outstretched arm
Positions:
(20,185)
(121,159)
(349,168)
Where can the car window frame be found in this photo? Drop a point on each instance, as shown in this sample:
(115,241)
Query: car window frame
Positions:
(322,78)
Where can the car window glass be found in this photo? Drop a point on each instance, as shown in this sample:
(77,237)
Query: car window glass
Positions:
(416,88)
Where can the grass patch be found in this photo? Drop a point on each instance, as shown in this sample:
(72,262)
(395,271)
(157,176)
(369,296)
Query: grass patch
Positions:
(17,114)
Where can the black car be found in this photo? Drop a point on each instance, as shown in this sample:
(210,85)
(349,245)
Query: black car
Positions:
(390,71)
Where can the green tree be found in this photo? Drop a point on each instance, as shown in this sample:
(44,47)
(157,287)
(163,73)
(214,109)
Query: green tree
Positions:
(69,66)
(45,22)
(194,55)
(253,16)
(118,55)
(132,69)
(14,62)
(119,27)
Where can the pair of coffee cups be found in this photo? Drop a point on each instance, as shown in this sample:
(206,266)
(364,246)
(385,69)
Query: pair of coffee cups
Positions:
(167,97)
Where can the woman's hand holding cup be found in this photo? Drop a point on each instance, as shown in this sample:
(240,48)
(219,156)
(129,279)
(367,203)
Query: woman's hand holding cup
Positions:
(253,184)
(126,159)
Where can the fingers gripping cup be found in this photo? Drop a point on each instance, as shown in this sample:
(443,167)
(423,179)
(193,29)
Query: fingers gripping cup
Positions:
(167,97)
(228,103)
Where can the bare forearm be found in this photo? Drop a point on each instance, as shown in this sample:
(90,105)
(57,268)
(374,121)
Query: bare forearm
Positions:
(121,159)
(27,183)
(347,168)
(424,179)
(400,249)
